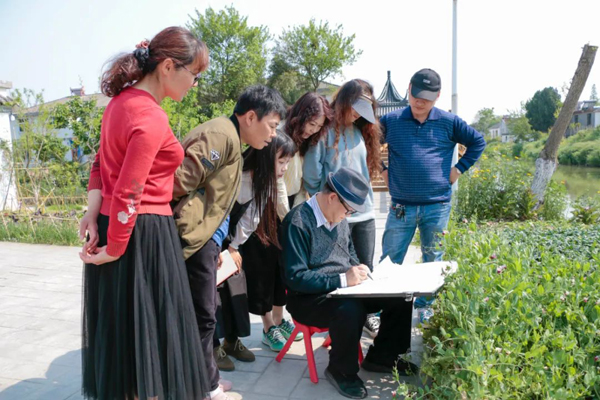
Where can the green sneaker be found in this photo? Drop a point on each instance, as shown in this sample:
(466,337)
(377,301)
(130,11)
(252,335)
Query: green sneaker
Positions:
(274,339)
(286,328)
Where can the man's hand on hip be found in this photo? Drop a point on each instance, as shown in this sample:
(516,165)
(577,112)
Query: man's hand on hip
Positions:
(454,174)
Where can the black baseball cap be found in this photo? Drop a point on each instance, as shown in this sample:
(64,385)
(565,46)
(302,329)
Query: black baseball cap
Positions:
(426,84)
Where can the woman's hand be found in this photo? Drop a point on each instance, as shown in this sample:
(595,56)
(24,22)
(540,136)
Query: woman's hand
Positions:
(98,257)
(88,224)
(237,258)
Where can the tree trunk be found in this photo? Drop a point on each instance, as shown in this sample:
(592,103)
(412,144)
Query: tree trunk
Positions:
(546,163)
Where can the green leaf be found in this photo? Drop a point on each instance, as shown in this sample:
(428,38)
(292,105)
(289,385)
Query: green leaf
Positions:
(540,290)
(536,351)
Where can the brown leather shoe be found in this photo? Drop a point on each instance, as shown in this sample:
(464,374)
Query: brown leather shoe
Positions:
(238,350)
(224,363)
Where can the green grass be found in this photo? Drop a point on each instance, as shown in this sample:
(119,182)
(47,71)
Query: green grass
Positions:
(39,231)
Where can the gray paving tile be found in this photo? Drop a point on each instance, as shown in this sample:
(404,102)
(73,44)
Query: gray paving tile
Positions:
(243,381)
(280,378)
(19,390)
(321,365)
(55,390)
(5,382)
(30,352)
(254,396)
(13,321)
(378,385)
(259,365)
(76,396)
(322,390)
(27,370)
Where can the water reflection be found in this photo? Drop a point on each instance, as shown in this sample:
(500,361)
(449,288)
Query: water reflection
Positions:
(579,180)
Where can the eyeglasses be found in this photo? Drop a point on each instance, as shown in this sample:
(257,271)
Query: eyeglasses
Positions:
(349,211)
(196,76)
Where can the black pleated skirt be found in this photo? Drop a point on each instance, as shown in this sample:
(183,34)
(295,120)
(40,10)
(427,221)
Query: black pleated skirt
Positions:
(140,337)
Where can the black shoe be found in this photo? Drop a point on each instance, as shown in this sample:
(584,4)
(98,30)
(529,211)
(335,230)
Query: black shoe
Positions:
(347,385)
(405,368)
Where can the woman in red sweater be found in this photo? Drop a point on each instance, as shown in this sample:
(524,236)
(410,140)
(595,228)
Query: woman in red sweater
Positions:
(140,338)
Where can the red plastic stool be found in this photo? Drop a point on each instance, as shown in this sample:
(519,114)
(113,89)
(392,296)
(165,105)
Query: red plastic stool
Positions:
(308,331)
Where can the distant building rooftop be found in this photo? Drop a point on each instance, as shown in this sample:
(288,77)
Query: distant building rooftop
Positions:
(390,100)
(5,86)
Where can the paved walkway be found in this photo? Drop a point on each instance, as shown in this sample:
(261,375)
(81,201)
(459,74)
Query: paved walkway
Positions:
(40,341)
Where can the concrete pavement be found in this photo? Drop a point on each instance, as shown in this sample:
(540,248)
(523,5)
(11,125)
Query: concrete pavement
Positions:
(40,334)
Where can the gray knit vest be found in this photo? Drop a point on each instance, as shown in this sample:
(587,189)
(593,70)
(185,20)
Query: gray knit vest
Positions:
(325,255)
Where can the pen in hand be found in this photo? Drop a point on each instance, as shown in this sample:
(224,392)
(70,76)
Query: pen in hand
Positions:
(349,256)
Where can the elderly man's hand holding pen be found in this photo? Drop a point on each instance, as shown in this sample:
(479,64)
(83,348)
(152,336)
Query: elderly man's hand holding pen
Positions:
(357,274)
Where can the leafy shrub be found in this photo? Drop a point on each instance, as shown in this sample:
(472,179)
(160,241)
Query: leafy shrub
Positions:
(498,188)
(593,158)
(575,154)
(517,149)
(586,210)
(520,319)
(532,150)
(555,202)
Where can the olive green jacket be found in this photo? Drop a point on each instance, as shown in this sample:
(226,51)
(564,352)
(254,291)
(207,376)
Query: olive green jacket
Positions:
(207,182)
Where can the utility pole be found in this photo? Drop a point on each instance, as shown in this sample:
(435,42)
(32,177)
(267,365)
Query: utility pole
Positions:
(454,58)
(454,78)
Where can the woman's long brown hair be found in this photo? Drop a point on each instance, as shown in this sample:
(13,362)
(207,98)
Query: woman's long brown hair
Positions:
(342,108)
(307,108)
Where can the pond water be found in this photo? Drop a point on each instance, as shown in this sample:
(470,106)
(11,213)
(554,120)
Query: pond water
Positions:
(579,180)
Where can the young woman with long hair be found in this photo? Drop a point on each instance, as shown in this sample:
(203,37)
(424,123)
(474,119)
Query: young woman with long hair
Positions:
(307,122)
(354,142)
(140,338)
(254,243)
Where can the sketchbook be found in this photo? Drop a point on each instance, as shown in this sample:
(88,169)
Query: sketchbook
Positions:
(406,280)
(227,269)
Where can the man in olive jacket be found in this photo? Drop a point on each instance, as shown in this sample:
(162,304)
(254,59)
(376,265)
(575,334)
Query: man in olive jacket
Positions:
(206,187)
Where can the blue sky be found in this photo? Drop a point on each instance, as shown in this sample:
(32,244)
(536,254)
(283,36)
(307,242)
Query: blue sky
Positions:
(507,49)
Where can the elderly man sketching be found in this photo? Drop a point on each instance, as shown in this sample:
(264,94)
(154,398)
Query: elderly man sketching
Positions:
(318,257)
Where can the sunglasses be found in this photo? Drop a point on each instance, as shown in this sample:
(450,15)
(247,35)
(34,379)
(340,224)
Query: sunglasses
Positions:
(196,76)
(349,211)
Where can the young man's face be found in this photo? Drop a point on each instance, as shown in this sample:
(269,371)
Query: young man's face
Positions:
(258,133)
(420,107)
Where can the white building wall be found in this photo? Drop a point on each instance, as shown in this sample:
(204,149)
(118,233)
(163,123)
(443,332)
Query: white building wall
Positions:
(8,188)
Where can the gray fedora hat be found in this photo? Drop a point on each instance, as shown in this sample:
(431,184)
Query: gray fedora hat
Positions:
(364,106)
(350,186)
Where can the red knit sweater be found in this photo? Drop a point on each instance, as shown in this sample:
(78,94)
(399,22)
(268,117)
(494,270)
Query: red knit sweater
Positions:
(135,164)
